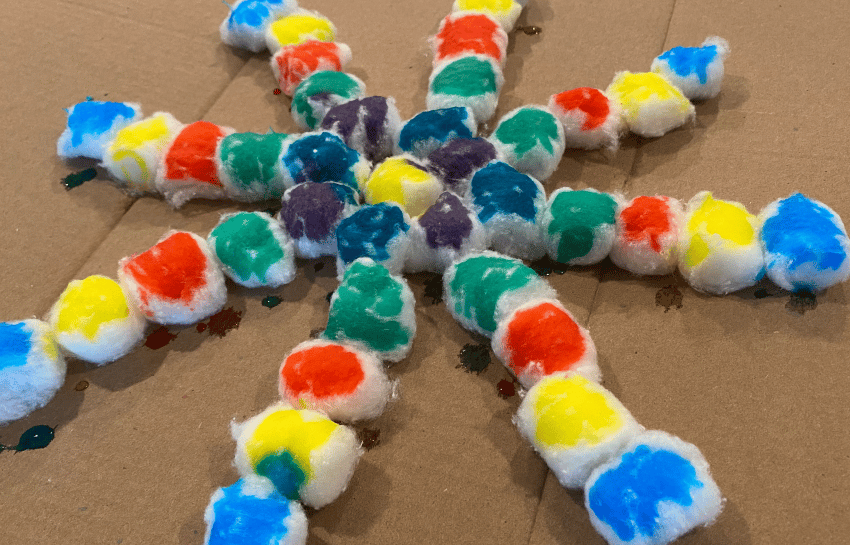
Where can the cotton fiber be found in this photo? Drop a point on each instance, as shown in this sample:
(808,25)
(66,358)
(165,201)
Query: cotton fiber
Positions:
(696,71)
(469,32)
(376,231)
(578,226)
(651,105)
(505,11)
(719,250)
(370,125)
(575,425)
(530,139)
(31,368)
(251,512)
(94,321)
(303,453)
(322,157)
(177,281)
(805,244)
(249,166)
(373,309)
(658,489)
(92,125)
(428,130)
(135,154)
(292,64)
(338,380)
(511,206)
(320,92)
(245,26)
(456,161)
(311,213)
(472,81)
(299,26)
(542,338)
(647,235)
(590,119)
(253,250)
(404,181)
(483,288)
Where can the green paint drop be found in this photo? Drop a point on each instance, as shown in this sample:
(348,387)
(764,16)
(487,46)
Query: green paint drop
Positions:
(284,472)
(78,178)
(576,215)
(272,301)
(36,437)
(474,358)
(251,158)
(528,128)
(465,77)
(246,245)
(327,83)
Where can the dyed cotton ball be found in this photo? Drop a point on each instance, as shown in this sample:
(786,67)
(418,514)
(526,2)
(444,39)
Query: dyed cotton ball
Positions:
(311,213)
(246,24)
(340,381)
(299,26)
(373,309)
(370,125)
(542,338)
(456,161)
(719,249)
(135,154)
(404,181)
(510,205)
(651,105)
(578,226)
(303,453)
(470,32)
(31,368)
(590,119)
(646,240)
(472,81)
(320,92)
(575,425)
(531,139)
(445,232)
(253,250)
(292,64)
(379,232)
(505,11)
(177,281)
(188,168)
(92,125)
(696,71)
(93,320)
(428,130)
(482,289)
(805,244)
(658,489)
(322,157)
(249,167)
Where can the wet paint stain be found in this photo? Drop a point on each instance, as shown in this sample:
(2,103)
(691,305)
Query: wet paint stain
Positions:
(78,178)
(329,296)
(761,293)
(82,385)
(272,301)
(669,297)
(221,323)
(201,327)
(317,332)
(37,437)
(318,266)
(530,30)
(159,337)
(802,301)
(369,438)
(546,266)
(434,288)
(506,388)
(276,91)
(474,358)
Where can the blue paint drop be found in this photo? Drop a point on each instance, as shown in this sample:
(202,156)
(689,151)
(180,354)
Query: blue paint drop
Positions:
(252,14)
(685,61)
(626,497)
(441,125)
(15,342)
(367,232)
(244,519)
(95,118)
(498,188)
(321,158)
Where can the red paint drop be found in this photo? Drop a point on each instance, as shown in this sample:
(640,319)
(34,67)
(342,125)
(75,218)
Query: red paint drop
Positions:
(223,322)
(201,327)
(321,371)
(546,336)
(468,34)
(591,101)
(296,62)
(276,91)
(646,218)
(506,389)
(192,154)
(159,337)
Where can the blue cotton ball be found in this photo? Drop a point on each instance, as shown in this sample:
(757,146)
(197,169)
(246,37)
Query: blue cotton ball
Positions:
(92,125)
(428,130)
(377,231)
(696,71)
(246,24)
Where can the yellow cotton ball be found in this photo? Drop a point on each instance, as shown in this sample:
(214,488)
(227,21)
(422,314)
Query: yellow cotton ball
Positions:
(403,181)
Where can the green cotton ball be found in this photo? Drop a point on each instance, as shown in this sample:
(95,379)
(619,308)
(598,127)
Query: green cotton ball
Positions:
(578,226)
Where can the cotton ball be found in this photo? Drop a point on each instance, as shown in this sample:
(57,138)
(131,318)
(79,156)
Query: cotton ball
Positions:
(719,250)
(428,130)
(658,489)
(696,71)
(541,338)
(93,320)
(134,156)
(322,157)
(340,381)
(575,425)
(303,453)
(320,92)
(31,368)
(590,119)
(249,166)
(404,181)
(510,206)
(251,512)
(370,125)
(297,27)
(292,64)
(92,125)
(245,26)
(373,309)
(578,226)
(377,231)
(177,281)
(481,289)
(805,244)
(531,139)
(456,161)
(311,213)
(651,105)
(472,81)
(505,11)
(647,235)
(466,32)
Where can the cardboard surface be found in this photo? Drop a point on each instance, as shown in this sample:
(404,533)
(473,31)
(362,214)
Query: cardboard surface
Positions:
(759,387)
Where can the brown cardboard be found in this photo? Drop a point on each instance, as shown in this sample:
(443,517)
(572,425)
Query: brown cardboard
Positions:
(760,389)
